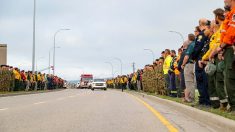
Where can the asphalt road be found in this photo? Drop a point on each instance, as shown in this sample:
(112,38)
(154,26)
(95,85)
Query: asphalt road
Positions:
(74,110)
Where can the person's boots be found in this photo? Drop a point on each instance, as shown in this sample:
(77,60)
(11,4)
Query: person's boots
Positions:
(223,106)
(215,104)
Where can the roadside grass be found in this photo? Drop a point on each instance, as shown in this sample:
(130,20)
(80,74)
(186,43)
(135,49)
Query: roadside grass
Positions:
(195,105)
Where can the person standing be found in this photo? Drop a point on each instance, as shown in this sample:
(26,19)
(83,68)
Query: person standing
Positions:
(23,78)
(121,81)
(144,79)
(8,78)
(166,67)
(161,80)
(189,69)
(138,80)
(171,72)
(12,80)
(177,74)
(182,78)
(17,79)
(215,81)
(202,83)
(3,80)
(227,43)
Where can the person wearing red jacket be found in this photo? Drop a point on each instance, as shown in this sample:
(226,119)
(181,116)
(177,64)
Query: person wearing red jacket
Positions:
(23,81)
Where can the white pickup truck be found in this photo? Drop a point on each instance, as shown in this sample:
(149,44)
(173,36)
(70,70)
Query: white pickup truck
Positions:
(99,84)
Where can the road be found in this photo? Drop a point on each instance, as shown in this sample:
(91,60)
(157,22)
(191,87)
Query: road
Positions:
(74,110)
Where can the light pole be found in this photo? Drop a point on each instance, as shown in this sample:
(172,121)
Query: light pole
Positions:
(34,19)
(111,66)
(37,62)
(181,35)
(151,52)
(49,70)
(118,59)
(54,48)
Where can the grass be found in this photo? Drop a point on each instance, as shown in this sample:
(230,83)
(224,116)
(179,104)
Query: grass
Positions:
(204,108)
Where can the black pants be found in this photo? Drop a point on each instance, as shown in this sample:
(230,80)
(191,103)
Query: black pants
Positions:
(202,85)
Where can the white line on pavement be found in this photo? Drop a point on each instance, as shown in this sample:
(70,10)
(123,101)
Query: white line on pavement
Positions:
(39,103)
(61,99)
(71,96)
(2,109)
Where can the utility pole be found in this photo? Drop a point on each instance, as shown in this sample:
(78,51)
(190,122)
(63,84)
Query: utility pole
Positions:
(34,23)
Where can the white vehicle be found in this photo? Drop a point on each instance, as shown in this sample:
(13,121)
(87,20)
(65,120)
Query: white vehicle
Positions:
(99,84)
(65,85)
(86,80)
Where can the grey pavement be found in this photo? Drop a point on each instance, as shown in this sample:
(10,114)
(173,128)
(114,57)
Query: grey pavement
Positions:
(75,110)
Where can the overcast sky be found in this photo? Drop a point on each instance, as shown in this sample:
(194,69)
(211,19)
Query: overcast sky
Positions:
(100,31)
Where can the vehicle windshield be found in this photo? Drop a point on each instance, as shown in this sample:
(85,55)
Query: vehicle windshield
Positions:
(86,79)
(98,80)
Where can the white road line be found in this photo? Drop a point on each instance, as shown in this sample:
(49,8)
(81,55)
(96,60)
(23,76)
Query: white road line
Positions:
(61,99)
(2,109)
(71,96)
(39,103)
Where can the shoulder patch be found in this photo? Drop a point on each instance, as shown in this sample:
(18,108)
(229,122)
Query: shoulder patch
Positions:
(199,38)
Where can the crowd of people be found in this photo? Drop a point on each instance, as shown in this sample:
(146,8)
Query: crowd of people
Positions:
(205,61)
(14,79)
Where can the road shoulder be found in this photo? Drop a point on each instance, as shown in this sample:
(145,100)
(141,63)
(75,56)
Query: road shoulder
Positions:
(207,118)
(27,92)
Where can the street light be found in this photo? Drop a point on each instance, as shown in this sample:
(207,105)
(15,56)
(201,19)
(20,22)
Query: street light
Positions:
(54,48)
(118,59)
(151,52)
(37,62)
(34,19)
(49,70)
(182,37)
(111,66)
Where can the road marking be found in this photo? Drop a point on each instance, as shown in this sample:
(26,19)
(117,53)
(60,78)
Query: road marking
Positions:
(61,99)
(164,121)
(2,109)
(71,96)
(39,103)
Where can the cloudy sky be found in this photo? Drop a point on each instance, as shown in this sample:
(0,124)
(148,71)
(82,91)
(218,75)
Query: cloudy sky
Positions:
(100,31)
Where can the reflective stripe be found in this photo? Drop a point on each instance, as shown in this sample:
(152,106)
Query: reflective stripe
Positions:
(224,101)
(223,31)
(173,91)
(233,25)
(214,98)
